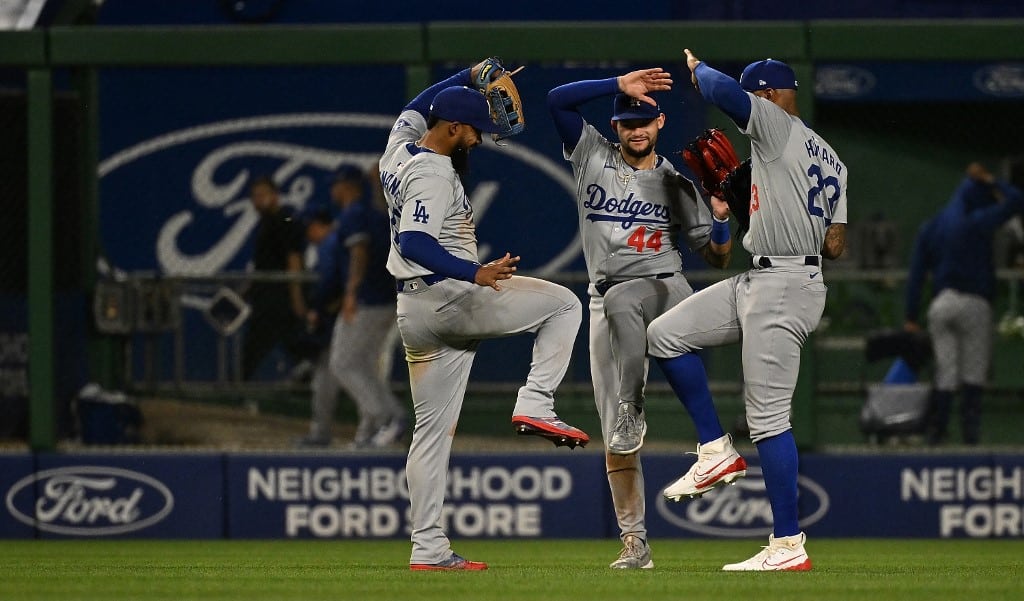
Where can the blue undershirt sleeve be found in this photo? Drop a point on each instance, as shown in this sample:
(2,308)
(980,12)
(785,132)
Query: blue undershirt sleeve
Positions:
(425,250)
(991,218)
(724,92)
(421,103)
(917,272)
(564,102)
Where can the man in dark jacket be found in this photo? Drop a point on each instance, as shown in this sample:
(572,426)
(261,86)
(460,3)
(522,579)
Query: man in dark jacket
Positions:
(955,246)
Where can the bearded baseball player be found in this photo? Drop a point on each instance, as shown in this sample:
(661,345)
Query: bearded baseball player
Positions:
(448,302)
(797,215)
(634,211)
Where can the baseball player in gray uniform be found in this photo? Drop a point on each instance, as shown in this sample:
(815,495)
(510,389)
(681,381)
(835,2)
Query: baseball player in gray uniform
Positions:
(448,302)
(797,215)
(633,208)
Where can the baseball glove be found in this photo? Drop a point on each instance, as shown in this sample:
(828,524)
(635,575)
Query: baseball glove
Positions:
(495,81)
(713,161)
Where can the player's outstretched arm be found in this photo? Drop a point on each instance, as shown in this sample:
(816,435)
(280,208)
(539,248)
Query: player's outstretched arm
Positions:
(421,103)
(719,89)
(499,269)
(565,100)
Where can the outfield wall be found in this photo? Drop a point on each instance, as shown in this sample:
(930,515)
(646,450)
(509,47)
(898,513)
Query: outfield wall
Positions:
(552,495)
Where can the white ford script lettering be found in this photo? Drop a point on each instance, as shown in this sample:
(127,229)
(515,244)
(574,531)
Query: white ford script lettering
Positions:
(66,497)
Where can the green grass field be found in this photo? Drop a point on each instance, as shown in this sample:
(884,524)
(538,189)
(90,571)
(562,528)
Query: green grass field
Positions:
(534,570)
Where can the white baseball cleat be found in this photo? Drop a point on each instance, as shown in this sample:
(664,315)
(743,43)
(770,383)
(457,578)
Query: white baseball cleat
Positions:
(717,464)
(784,554)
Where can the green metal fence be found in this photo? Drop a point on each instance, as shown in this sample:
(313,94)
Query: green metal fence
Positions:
(84,49)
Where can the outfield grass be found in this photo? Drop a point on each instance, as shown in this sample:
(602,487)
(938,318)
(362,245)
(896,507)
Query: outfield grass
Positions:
(533,570)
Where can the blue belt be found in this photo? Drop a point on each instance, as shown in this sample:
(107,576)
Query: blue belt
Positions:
(603,286)
(426,280)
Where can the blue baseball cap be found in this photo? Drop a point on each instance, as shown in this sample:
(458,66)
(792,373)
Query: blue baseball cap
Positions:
(768,73)
(627,107)
(465,105)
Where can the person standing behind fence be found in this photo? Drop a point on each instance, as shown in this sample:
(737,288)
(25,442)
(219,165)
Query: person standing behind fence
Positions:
(278,308)
(956,248)
(354,276)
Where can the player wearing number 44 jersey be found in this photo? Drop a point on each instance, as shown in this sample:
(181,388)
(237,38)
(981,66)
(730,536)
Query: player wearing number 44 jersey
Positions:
(448,302)
(634,211)
(797,215)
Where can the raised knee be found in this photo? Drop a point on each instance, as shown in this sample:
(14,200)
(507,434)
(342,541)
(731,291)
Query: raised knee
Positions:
(658,341)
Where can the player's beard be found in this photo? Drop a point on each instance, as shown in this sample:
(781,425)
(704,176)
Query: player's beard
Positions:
(460,161)
(641,153)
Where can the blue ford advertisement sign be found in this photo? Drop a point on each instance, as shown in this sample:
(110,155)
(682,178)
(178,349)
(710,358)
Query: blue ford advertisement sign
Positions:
(14,468)
(542,495)
(146,496)
(488,496)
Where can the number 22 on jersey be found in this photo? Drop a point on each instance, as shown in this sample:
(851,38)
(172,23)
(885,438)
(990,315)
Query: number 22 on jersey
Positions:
(821,187)
(639,240)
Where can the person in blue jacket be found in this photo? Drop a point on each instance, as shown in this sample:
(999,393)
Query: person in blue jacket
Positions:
(354,282)
(955,248)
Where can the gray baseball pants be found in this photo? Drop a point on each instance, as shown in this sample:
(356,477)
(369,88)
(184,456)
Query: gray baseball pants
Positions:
(960,325)
(441,326)
(773,310)
(354,363)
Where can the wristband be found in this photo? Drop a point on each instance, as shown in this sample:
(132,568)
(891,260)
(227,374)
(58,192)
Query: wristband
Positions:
(720,231)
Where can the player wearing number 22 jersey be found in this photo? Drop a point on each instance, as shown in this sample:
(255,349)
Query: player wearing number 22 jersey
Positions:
(635,212)
(797,216)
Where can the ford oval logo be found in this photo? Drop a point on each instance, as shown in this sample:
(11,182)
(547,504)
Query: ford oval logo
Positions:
(1004,80)
(843,81)
(89,500)
(741,510)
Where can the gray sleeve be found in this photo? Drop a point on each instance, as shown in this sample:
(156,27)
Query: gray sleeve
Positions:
(768,128)
(409,126)
(590,140)
(695,215)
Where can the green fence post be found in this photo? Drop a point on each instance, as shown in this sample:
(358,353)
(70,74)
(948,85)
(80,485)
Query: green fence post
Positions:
(42,433)
(417,79)
(104,360)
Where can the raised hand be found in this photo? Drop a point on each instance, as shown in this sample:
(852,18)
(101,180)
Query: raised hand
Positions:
(499,269)
(691,62)
(639,83)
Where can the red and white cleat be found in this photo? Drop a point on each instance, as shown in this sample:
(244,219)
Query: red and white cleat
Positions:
(784,554)
(552,428)
(455,562)
(717,464)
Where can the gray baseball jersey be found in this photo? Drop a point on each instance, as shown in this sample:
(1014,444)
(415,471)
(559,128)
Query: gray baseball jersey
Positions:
(631,222)
(413,174)
(798,184)
(630,219)
(798,188)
